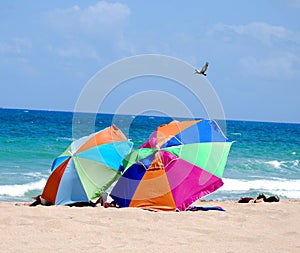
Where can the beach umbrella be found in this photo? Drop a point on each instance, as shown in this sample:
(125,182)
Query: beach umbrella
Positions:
(180,163)
(87,167)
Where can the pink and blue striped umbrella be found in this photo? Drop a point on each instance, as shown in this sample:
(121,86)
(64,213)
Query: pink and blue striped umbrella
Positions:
(180,163)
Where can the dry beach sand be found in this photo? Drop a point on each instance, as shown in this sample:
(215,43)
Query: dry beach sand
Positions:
(260,227)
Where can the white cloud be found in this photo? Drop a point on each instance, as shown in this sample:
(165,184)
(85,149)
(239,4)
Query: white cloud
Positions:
(262,30)
(96,19)
(72,51)
(265,51)
(258,30)
(89,32)
(126,45)
(15,46)
(279,66)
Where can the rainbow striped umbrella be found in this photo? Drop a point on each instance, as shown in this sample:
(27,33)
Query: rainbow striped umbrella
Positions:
(87,167)
(180,163)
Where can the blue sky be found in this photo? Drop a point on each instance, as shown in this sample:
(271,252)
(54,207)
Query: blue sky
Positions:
(50,49)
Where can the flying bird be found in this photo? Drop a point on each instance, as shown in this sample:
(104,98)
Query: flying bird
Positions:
(203,70)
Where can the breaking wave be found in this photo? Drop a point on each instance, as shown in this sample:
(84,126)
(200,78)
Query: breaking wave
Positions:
(284,188)
(20,190)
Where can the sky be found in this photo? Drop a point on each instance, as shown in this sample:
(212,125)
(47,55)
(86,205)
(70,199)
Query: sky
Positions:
(49,50)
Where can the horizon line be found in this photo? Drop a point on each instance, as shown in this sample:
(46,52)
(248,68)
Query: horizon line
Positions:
(150,115)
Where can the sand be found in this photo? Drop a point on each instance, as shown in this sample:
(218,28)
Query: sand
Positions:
(260,227)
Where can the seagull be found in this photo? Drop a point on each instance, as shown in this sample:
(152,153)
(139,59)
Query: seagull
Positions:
(202,71)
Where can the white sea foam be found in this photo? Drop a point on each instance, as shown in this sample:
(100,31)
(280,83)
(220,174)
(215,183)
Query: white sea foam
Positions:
(35,174)
(20,190)
(275,163)
(65,138)
(283,164)
(285,188)
(296,163)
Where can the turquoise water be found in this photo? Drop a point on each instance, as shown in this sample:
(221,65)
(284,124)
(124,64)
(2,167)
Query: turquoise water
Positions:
(264,157)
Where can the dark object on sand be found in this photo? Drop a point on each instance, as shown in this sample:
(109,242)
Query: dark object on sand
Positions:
(40,201)
(245,200)
(205,208)
(261,198)
(272,199)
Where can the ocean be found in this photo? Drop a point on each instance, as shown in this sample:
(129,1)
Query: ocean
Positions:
(264,156)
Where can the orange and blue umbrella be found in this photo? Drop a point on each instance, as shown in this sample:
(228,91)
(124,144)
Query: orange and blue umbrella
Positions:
(87,168)
(180,163)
